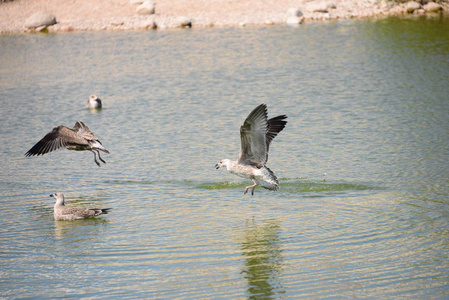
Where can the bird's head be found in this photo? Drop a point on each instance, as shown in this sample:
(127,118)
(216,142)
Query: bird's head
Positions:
(222,163)
(58,196)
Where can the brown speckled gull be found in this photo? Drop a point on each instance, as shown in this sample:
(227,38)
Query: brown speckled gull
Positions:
(79,138)
(62,212)
(256,134)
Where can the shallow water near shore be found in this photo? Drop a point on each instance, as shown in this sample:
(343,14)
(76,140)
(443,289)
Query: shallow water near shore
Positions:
(363,206)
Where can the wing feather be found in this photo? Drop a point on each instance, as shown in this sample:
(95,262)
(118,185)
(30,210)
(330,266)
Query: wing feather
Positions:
(253,139)
(59,137)
(256,135)
(78,211)
(81,129)
(83,212)
(275,125)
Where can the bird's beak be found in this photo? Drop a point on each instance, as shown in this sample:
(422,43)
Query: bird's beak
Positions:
(217,166)
(51,195)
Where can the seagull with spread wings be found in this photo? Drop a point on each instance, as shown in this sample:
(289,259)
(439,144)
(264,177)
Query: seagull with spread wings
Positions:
(256,134)
(79,138)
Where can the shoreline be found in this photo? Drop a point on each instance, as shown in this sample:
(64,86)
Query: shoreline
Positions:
(86,15)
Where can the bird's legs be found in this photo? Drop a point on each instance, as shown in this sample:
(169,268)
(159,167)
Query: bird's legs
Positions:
(253,187)
(95,157)
(98,152)
(252,190)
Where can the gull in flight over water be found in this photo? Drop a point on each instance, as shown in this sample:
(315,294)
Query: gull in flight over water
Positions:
(93,102)
(256,134)
(62,212)
(79,138)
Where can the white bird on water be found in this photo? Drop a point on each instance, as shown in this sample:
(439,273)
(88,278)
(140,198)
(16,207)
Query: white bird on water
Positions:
(94,102)
(62,212)
(79,138)
(256,134)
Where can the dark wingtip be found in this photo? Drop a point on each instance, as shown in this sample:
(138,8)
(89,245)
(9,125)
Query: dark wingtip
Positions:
(263,105)
(30,152)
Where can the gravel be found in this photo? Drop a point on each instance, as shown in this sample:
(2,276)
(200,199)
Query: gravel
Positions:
(80,15)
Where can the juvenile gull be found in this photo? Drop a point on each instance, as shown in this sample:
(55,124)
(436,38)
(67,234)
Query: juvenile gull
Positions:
(79,138)
(256,134)
(62,212)
(94,102)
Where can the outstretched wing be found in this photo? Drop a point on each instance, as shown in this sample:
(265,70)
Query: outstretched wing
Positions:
(275,125)
(256,135)
(59,137)
(254,148)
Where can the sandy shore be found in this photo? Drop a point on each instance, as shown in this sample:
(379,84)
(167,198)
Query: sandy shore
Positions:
(122,15)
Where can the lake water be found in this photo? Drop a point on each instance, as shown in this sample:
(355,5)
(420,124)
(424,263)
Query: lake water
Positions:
(363,205)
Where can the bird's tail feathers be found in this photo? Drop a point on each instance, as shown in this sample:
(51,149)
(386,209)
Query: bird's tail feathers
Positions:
(98,146)
(100,211)
(270,181)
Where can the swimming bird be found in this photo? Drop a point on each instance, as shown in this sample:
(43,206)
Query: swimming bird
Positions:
(256,134)
(93,102)
(62,212)
(79,138)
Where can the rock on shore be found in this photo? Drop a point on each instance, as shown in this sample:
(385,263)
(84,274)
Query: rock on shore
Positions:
(40,20)
(145,14)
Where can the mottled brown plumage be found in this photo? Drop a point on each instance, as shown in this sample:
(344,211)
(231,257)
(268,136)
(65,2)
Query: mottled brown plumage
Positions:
(62,212)
(79,138)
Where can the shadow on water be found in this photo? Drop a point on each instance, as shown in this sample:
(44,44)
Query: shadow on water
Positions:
(128,182)
(221,185)
(263,259)
(306,187)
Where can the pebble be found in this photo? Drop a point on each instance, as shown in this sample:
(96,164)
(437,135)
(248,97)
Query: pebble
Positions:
(295,14)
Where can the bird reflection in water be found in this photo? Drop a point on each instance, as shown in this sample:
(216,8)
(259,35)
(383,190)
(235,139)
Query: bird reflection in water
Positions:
(81,230)
(263,259)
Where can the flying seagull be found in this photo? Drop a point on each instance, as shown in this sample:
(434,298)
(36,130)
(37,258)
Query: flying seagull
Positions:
(256,134)
(62,212)
(93,102)
(79,138)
